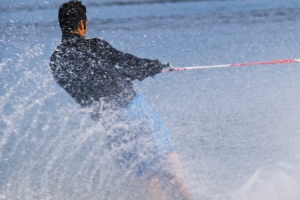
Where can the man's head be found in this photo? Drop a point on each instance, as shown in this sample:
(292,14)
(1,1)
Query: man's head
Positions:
(72,16)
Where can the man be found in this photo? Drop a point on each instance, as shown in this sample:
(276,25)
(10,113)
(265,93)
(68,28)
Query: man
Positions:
(99,78)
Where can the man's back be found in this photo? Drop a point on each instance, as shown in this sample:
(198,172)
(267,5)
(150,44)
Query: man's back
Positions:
(86,69)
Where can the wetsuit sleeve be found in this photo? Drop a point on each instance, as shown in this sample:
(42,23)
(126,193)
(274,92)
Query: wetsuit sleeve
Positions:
(132,66)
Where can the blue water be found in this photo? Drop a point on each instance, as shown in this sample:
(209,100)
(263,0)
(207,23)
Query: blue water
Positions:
(226,123)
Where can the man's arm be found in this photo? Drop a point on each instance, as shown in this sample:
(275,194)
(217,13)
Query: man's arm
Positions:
(132,66)
(137,68)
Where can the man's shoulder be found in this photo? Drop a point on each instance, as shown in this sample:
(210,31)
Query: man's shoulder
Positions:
(88,45)
(97,41)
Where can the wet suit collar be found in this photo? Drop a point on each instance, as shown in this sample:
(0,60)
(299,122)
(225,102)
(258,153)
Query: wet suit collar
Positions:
(71,36)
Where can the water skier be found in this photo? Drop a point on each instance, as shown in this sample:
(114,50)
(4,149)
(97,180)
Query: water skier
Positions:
(99,77)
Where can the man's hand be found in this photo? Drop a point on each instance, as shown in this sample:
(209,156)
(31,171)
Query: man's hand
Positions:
(171,68)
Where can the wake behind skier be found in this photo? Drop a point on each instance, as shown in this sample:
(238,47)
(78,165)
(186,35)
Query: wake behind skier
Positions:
(99,77)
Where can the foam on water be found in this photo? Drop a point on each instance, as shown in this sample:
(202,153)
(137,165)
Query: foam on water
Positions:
(46,144)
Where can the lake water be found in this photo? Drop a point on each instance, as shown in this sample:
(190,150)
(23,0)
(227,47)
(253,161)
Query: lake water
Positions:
(229,124)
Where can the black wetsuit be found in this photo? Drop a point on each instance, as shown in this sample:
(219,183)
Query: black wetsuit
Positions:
(94,73)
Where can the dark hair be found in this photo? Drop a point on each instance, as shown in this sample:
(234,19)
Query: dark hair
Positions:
(70,14)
